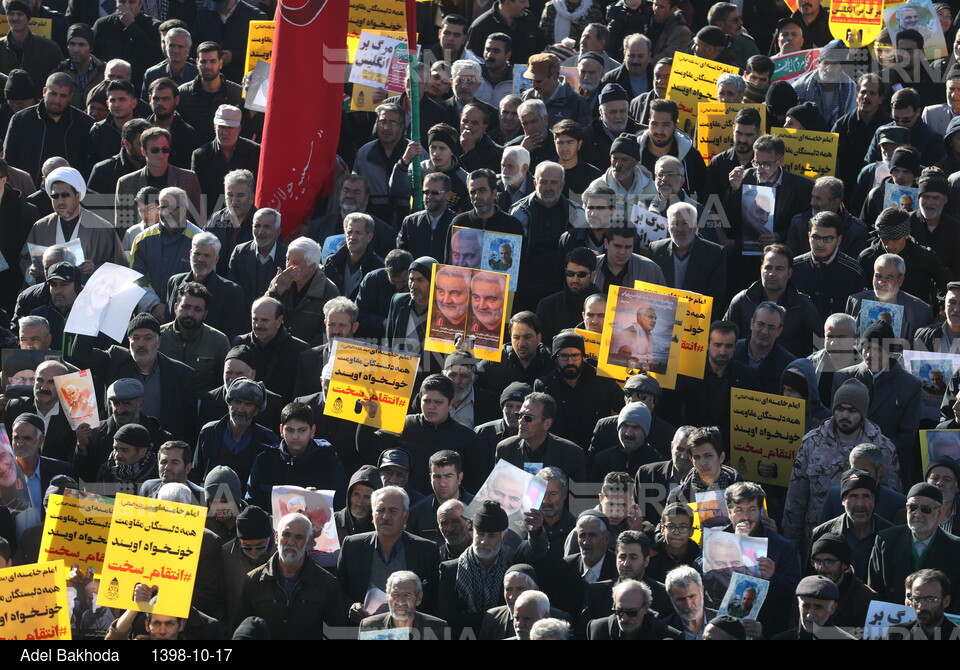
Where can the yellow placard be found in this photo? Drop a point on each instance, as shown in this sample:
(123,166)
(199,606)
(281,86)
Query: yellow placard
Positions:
(35,603)
(377,15)
(694,80)
(696,327)
(766,431)
(641,333)
(468,303)
(715,126)
(41,27)
(811,153)
(259,43)
(156,543)
(76,531)
(362,98)
(591,342)
(362,373)
(856,22)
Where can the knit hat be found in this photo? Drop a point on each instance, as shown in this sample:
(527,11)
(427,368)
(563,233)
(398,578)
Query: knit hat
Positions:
(125,388)
(459,357)
(830,543)
(19,86)
(781,96)
(907,158)
(222,483)
(835,50)
(566,339)
(714,36)
(592,55)
(796,380)
(878,331)
(33,419)
(854,479)
(135,435)
(943,462)
(925,490)
(730,625)
(626,144)
(643,383)
(613,92)
(143,320)
(253,524)
(490,518)
(17,6)
(635,412)
(852,392)
(819,587)
(249,390)
(515,391)
(809,116)
(893,223)
(893,135)
(424,265)
(252,628)
(242,353)
(446,134)
(523,569)
(933,180)
(81,30)
(67,175)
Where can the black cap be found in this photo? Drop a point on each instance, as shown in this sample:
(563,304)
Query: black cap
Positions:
(490,518)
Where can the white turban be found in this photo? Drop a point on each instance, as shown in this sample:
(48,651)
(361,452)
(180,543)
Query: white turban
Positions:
(67,175)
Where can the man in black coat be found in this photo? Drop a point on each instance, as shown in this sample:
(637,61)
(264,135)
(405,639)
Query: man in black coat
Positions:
(18,216)
(276,350)
(59,440)
(253,264)
(564,309)
(536,444)
(424,233)
(633,618)
(129,34)
(225,153)
(241,361)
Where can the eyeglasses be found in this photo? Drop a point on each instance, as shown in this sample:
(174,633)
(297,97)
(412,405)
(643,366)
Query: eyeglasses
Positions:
(823,239)
(924,509)
(668,175)
(158,150)
(526,418)
(629,613)
(642,395)
(673,528)
(926,600)
(579,275)
(563,358)
(250,548)
(429,192)
(763,166)
(60,196)
(826,563)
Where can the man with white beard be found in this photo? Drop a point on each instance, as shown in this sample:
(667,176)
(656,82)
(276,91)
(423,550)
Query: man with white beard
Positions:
(268,590)
(614,119)
(516,177)
(404,594)
(471,406)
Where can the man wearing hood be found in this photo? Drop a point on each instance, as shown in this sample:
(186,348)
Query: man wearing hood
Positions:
(299,460)
(663,138)
(799,381)
(252,547)
(357,515)
(633,450)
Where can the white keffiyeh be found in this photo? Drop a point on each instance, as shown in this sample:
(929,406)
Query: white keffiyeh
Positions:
(566,18)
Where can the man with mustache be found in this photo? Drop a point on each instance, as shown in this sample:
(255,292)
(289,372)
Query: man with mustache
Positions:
(404,595)
(191,341)
(452,299)
(174,462)
(487,296)
(319,603)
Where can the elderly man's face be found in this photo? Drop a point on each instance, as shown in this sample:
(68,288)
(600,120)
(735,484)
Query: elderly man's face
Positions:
(465,250)
(266,323)
(858,505)
(292,539)
(637,58)
(402,599)
(614,115)
(144,345)
(647,318)
(453,527)
(509,121)
(389,127)
(507,492)
(682,230)
(729,93)
(126,454)
(26,441)
(630,608)
(533,124)
(524,616)
(452,297)
(487,545)
(514,584)
(265,231)
(886,281)
(487,301)
(465,86)
(669,179)
(389,517)
(591,72)
(203,260)
(623,165)
(599,212)
(592,541)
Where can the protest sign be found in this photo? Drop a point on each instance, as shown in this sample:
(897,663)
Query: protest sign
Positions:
(856,22)
(933,370)
(872,311)
(324,546)
(20,365)
(694,80)
(712,509)
(715,126)
(36,252)
(809,152)
(379,15)
(744,597)
(790,66)
(381,62)
(259,43)
(881,616)
(696,327)
(78,398)
(469,303)
(259,88)
(766,431)
(591,342)
(388,634)
(939,443)
(725,554)
(35,602)
(76,531)
(364,373)
(918,15)
(650,226)
(38,26)
(757,208)
(904,197)
(106,303)
(515,489)
(487,250)
(156,543)
(641,333)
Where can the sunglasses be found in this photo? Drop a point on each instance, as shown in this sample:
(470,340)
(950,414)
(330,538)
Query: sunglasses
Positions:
(924,509)
(528,418)
(435,193)
(60,196)
(578,275)
(158,150)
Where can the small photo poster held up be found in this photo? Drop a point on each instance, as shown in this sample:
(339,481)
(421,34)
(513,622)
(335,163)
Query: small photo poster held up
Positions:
(696,327)
(156,543)
(20,365)
(757,208)
(388,634)
(882,616)
(744,596)
(725,554)
(921,16)
(468,303)
(36,607)
(259,88)
(486,250)
(939,443)
(694,80)
(766,431)
(904,197)
(650,226)
(332,245)
(76,531)
(78,398)
(370,385)
(106,303)
(812,153)
(872,311)
(380,62)
(715,122)
(934,372)
(712,509)
(36,252)
(515,490)
(316,506)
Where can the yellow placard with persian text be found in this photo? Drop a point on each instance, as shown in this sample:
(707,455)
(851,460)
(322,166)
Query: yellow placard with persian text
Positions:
(41,27)
(811,153)
(362,373)
(694,80)
(715,126)
(156,543)
(766,431)
(259,43)
(76,531)
(856,22)
(696,327)
(377,15)
(33,602)
(591,342)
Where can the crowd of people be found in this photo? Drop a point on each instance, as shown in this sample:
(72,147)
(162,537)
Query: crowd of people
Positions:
(127,141)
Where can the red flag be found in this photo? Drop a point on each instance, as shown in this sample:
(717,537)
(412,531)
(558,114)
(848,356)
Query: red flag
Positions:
(302,126)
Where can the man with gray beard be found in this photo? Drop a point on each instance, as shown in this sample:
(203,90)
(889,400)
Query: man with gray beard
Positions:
(404,594)
(471,406)
(354,197)
(289,592)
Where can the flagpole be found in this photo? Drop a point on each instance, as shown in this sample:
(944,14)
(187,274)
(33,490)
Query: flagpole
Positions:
(411,8)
